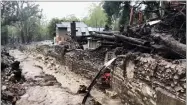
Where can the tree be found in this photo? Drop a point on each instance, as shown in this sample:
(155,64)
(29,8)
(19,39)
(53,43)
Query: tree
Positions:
(119,11)
(9,12)
(151,7)
(86,20)
(112,9)
(24,16)
(52,26)
(29,16)
(9,15)
(97,16)
(124,19)
(70,18)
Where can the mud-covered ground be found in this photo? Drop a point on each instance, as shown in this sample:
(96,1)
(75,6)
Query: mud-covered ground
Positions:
(45,82)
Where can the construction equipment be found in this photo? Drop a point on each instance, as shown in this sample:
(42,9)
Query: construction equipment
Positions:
(140,16)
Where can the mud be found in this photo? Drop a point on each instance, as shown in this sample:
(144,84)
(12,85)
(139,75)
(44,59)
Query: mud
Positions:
(135,79)
(47,82)
(11,79)
(139,79)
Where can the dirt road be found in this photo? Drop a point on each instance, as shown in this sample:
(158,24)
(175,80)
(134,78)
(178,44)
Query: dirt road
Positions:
(49,83)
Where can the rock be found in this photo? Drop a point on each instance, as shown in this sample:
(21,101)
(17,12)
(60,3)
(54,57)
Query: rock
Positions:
(172,84)
(7,95)
(82,89)
(172,66)
(48,65)
(11,77)
(17,75)
(147,91)
(111,94)
(14,100)
(168,70)
(25,96)
(3,66)
(15,65)
(38,57)
(45,62)
(184,85)
(175,82)
(176,77)
(3,88)
(182,91)
(57,66)
(178,88)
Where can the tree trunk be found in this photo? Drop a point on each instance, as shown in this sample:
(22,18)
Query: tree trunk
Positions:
(171,43)
(107,33)
(22,37)
(131,40)
(107,37)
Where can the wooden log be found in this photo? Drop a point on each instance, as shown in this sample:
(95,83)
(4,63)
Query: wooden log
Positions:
(121,38)
(132,40)
(107,37)
(143,45)
(166,52)
(171,43)
(104,32)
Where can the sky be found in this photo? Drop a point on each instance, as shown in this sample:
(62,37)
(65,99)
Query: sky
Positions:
(63,9)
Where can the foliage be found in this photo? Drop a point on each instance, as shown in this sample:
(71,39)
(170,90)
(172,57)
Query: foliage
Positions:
(25,17)
(9,12)
(119,11)
(70,18)
(9,15)
(52,26)
(124,19)
(52,23)
(97,17)
(112,9)
(151,7)
(29,15)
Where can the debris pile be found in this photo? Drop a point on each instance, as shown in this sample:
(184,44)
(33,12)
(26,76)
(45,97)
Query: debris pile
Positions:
(94,58)
(174,22)
(11,79)
(166,37)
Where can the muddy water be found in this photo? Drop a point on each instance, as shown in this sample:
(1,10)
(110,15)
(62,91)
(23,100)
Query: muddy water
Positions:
(65,93)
